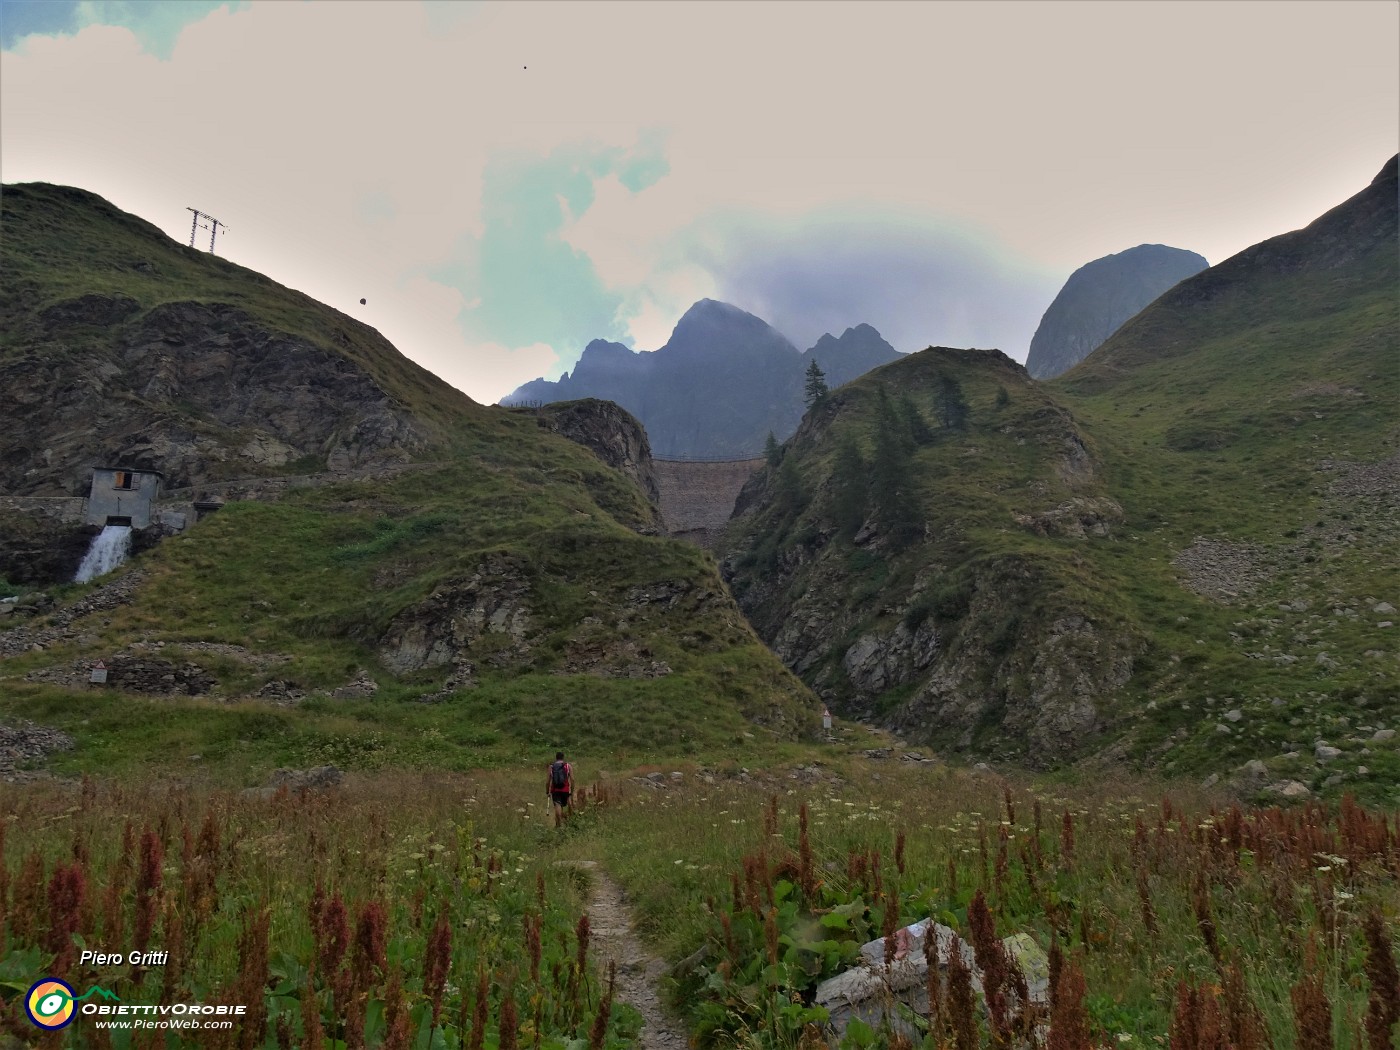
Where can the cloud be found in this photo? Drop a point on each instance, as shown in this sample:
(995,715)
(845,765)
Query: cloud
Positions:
(917,278)
(503,182)
(156,24)
(523,283)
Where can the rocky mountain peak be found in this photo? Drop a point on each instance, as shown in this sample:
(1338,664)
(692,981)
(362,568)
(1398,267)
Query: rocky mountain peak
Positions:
(723,381)
(601,359)
(1099,297)
(856,352)
(713,328)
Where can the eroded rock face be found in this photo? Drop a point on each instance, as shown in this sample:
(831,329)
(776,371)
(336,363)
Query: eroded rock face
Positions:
(883,660)
(1077,517)
(990,661)
(449,625)
(611,433)
(197,391)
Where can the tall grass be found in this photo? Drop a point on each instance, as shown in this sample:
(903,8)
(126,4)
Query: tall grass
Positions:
(1169,910)
(407,912)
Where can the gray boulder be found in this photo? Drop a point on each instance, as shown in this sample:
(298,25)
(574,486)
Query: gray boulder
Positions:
(879,994)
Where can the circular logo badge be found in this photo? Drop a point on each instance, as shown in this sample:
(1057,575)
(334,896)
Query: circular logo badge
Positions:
(50,1003)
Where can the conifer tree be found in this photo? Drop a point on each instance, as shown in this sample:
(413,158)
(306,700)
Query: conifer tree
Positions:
(849,481)
(772,452)
(914,423)
(952,405)
(816,384)
(891,481)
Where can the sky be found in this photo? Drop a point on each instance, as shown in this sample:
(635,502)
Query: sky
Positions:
(504,182)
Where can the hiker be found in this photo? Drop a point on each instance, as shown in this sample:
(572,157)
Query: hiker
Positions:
(560,785)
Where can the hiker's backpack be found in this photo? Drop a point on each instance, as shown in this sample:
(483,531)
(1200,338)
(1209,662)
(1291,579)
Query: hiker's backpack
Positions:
(559,776)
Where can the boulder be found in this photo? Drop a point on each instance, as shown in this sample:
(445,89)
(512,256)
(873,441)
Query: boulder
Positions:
(879,994)
(318,778)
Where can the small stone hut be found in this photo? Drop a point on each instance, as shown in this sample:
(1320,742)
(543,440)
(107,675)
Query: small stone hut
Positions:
(123,496)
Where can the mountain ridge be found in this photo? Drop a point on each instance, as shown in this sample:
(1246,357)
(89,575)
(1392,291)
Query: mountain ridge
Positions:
(719,385)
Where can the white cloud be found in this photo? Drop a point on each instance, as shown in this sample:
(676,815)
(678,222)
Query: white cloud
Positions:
(1061,131)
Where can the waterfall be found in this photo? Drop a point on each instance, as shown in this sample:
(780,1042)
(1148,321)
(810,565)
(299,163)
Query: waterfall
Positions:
(109,549)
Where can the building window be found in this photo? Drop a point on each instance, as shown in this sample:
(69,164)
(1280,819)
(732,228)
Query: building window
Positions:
(125,480)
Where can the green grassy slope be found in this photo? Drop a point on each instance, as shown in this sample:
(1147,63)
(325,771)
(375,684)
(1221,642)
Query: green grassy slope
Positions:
(1247,425)
(60,242)
(995,622)
(610,643)
(1257,406)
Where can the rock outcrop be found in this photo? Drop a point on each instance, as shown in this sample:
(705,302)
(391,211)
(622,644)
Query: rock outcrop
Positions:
(926,629)
(198,391)
(1098,298)
(613,435)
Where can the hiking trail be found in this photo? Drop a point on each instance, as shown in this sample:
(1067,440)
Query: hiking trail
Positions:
(638,971)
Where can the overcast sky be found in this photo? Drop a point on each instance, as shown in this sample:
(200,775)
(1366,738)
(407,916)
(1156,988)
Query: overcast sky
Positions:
(504,182)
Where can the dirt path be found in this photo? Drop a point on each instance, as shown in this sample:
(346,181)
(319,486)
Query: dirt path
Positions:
(638,971)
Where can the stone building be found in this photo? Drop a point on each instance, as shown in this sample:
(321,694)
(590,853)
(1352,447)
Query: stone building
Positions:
(122,496)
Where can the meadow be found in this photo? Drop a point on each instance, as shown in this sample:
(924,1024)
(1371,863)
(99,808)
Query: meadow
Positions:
(445,910)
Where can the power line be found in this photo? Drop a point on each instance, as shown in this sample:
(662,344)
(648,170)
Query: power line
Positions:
(212,225)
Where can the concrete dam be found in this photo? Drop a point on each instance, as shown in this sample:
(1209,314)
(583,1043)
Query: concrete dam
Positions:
(697,496)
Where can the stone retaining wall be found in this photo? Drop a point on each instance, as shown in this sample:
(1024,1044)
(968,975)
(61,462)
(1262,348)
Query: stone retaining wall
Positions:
(69,509)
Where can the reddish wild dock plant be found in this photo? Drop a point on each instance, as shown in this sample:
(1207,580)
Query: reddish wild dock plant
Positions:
(581,932)
(312,1034)
(599,1032)
(438,959)
(509,1025)
(1383,1004)
(962,1008)
(66,891)
(148,886)
(398,1030)
(1067,840)
(532,924)
(1069,1023)
(369,950)
(480,1010)
(1312,1013)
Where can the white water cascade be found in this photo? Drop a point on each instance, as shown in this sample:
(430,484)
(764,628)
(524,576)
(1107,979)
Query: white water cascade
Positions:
(109,549)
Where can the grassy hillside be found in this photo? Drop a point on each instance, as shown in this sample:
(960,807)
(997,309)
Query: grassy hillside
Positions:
(1228,590)
(438,628)
(61,243)
(483,598)
(951,592)
(1248,424)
